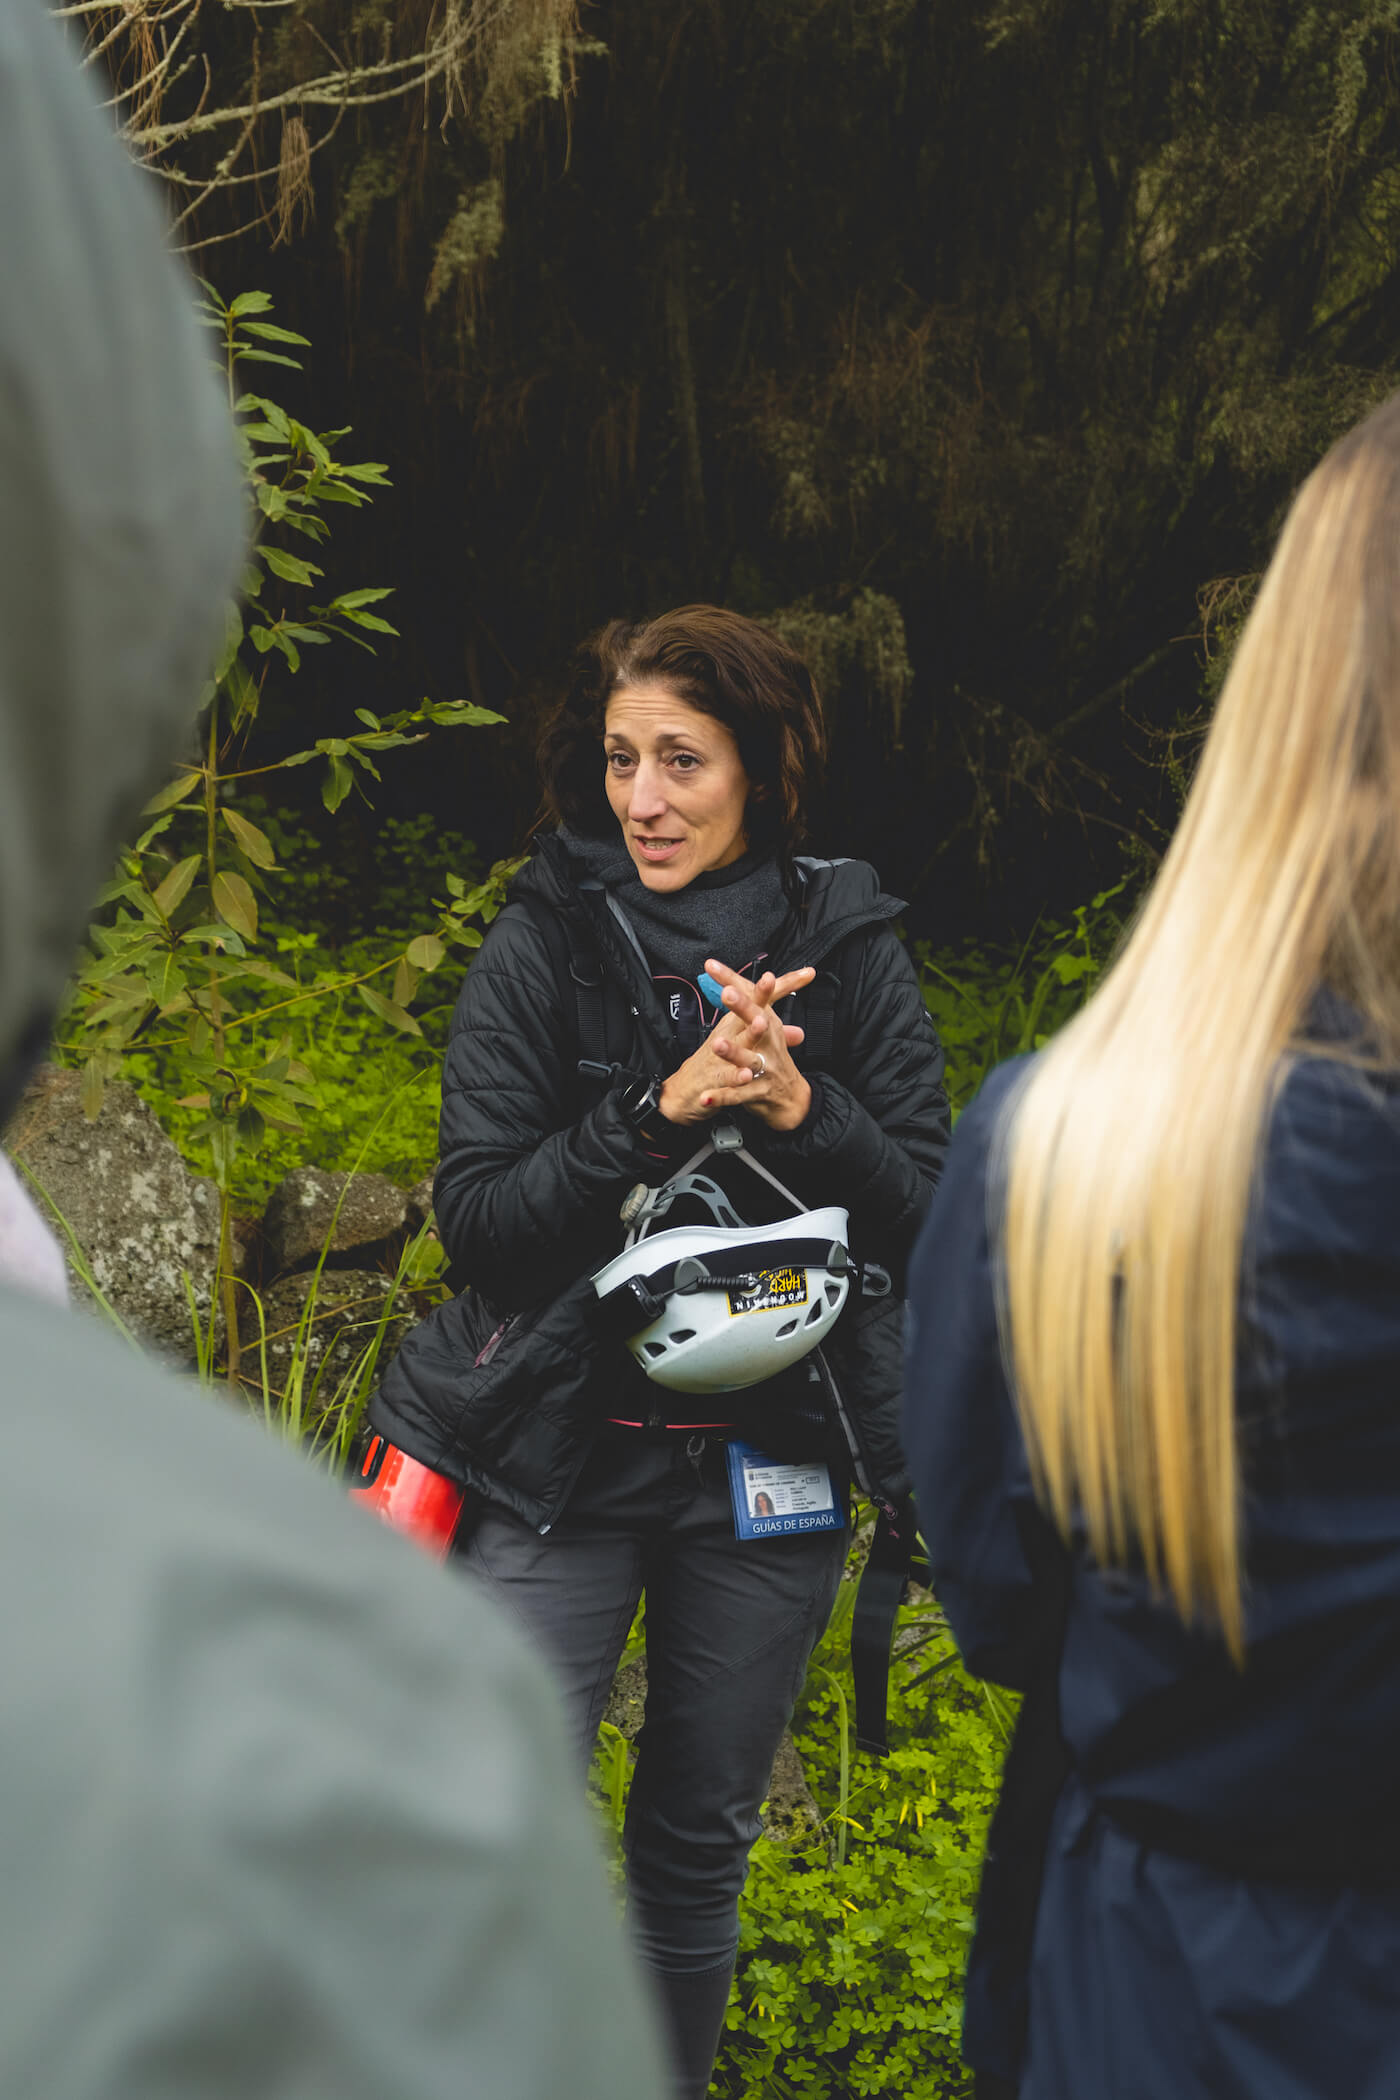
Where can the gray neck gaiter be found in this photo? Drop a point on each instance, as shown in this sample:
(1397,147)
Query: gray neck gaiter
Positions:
(732,913)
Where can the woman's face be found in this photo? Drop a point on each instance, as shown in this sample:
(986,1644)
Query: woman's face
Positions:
(676,785)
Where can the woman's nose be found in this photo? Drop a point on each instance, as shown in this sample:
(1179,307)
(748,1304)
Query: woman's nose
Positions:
(648,798)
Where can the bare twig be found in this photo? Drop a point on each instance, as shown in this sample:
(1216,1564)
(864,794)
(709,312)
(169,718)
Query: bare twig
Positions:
(149,50)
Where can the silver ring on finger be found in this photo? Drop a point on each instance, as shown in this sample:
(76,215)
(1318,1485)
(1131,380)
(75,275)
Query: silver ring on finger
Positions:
(757,1065)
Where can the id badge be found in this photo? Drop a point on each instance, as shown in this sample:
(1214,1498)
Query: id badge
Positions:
(775,1501)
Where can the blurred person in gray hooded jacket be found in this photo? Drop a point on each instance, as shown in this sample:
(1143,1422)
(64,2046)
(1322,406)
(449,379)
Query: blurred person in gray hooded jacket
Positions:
(287,1813)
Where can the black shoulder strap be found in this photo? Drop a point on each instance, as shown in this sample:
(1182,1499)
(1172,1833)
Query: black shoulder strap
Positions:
(821,1008)
(894,1556)
(577,962)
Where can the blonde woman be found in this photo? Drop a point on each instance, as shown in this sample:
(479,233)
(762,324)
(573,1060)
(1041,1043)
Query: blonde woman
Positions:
(1154,1406)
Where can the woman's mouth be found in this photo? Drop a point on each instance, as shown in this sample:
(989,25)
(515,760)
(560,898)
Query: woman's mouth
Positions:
(657,849)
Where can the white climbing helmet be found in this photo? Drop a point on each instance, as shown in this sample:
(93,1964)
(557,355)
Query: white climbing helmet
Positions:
(713,1308)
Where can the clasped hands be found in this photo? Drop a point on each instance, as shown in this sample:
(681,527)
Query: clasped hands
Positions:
(745,1060)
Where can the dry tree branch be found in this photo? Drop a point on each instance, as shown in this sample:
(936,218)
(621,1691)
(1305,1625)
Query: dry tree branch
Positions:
(150,48)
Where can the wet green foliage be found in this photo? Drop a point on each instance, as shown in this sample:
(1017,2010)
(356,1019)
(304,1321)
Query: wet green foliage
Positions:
(998,1001)
(852,1949)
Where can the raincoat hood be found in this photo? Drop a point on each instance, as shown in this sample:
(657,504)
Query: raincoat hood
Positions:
(120,521)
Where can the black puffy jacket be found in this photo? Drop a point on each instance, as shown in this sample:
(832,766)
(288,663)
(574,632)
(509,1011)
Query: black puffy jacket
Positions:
(535,1160)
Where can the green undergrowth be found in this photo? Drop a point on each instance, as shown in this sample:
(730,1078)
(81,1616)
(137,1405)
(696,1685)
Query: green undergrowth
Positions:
(852,1948)
(853,1939)
(375,1091)
(992,1001)
(375,1094)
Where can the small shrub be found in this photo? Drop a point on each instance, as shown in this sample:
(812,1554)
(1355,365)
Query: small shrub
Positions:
(994,1002)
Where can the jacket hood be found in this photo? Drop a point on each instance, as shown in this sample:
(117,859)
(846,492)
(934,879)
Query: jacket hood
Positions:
(120,516)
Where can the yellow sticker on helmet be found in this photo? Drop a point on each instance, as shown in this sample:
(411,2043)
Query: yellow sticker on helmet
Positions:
(775,1287)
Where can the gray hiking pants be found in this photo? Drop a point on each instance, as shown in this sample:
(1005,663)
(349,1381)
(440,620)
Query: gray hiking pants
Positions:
(730,1627)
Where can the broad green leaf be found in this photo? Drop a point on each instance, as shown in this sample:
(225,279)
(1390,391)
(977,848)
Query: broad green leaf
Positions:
(456,714)
(273,334)
(176,886)
(426,951)
(235,902)
(337,783)
(370,620)
(277,417)
(166,979)
(266,357)
(214,937)
(305,521)
(255,843)
(175,791)
(365,715)
(388,1011)
(348,601)
(266,972)
(405,981)
(339,492)
(290,567)
(262,639)
(146,906)
(248,303)
(283,641)
(152,831)
(93,1088)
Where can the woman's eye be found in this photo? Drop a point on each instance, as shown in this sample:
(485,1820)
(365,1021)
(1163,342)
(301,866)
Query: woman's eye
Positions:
(617,761)
(685,761)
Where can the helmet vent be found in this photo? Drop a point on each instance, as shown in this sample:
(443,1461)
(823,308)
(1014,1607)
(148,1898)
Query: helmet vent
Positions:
(787,1327)
(833,1294)
(654,1349)
(816,1309)
(682,1334)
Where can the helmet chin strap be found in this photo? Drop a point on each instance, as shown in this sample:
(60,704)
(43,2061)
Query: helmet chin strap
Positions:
(643,1205)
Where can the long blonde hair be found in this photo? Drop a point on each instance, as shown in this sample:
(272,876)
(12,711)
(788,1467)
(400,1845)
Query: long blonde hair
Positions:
(1132,1148)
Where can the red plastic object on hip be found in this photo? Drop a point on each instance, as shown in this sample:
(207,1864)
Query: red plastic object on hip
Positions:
(413,1498)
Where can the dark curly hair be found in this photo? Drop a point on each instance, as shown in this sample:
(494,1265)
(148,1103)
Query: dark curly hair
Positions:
(727,666)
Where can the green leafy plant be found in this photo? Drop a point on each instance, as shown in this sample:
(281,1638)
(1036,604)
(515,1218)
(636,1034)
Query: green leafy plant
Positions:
(992,1002)
(180,944)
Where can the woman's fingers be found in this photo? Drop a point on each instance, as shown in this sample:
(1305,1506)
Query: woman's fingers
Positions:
(769,988)
(751,1043)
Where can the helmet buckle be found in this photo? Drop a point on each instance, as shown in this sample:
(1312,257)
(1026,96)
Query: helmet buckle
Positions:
(651,1306)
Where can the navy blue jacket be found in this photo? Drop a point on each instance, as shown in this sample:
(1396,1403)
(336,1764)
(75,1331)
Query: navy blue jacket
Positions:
(1220,1909)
